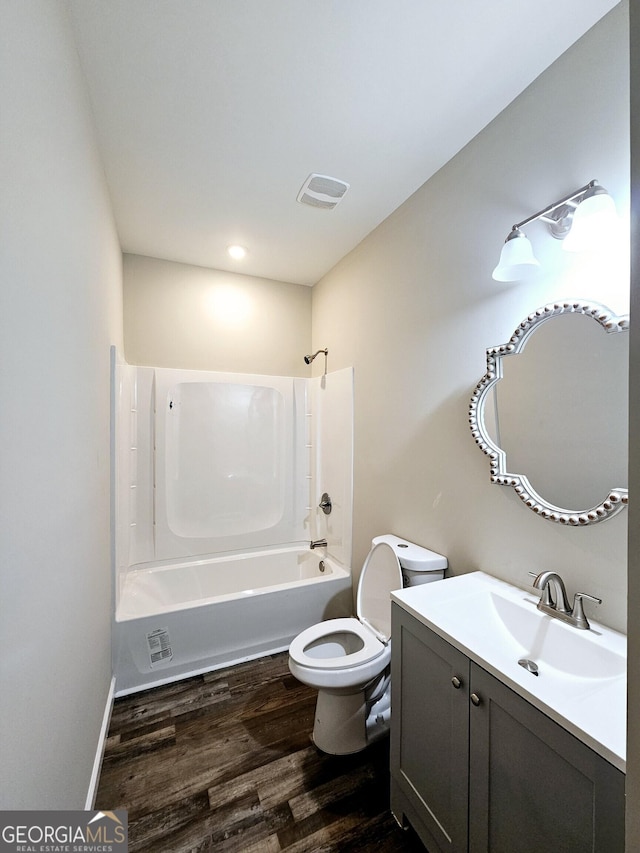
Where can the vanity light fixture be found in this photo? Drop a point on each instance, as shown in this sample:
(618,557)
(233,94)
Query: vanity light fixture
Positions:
(579,219)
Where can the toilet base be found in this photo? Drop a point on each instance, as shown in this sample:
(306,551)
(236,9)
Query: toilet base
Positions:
(340,723)
(347,723)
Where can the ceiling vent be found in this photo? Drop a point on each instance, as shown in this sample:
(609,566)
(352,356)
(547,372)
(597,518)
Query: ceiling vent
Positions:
(322,191)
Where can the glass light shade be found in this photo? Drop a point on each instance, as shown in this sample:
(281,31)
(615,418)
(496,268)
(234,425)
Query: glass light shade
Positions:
(517,261)
(594,223)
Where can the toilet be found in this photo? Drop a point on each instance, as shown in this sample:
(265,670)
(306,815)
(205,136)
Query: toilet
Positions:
(348,660)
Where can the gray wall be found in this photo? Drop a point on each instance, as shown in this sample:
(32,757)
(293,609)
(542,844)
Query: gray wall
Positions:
(177,315)
(633,698)
(60,269)
(414,307)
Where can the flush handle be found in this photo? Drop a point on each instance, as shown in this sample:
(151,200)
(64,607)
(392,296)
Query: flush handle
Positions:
(457,683)
(475,699)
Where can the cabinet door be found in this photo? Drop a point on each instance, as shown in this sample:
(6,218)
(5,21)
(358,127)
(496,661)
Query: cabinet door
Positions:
(533,786)
(429,735)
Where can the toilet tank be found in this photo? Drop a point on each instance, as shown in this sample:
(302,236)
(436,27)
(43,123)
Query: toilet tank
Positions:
(419,565)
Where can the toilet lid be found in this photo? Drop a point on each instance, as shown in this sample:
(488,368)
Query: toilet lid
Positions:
(380,574)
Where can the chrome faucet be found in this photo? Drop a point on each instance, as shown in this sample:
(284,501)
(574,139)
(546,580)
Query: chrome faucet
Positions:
(318,543)
(553,600)
(557,600)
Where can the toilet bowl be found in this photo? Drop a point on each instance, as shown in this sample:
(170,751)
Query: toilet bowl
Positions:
(348,660)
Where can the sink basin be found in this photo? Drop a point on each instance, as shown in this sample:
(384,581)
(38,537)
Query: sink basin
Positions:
(554,645)
(581,680)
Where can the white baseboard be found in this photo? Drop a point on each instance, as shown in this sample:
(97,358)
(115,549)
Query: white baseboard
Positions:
(97,763)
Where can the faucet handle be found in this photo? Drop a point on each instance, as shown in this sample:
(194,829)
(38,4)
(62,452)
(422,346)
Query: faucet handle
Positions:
(577,614)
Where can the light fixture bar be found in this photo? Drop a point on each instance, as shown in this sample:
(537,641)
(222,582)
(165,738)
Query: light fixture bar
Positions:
(542,214)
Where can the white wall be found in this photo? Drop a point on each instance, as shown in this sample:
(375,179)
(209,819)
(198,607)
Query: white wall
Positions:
(414,307)
(60,270)
(177,315)
(331,446)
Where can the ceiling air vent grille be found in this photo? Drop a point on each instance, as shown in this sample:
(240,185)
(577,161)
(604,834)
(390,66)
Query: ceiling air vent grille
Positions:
(322,191)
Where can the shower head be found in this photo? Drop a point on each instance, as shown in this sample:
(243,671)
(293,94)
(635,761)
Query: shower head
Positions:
(309,358)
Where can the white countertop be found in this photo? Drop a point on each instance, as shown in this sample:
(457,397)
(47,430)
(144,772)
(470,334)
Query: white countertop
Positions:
(582,683)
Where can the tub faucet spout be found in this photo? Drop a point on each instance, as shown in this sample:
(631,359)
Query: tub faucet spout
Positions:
(318,543)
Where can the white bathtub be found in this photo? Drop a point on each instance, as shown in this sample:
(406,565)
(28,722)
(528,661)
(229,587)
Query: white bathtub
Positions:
(178,620)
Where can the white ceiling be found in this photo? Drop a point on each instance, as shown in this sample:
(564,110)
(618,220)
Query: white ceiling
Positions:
(211,113)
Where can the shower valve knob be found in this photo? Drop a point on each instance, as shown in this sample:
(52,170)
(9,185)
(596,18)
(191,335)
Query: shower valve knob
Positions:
(325,504)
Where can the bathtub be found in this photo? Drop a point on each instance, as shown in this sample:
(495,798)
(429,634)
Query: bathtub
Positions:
(181,619)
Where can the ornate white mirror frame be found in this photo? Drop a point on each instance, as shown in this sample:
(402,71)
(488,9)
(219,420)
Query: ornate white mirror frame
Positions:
(617,498)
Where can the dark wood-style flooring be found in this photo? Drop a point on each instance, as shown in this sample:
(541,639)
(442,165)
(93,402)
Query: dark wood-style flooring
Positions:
(224,762)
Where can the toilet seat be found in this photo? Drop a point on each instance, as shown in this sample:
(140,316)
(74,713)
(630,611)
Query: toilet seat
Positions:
(372,647)
(380,574)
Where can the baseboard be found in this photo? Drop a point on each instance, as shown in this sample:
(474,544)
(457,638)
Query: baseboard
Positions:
(97,763)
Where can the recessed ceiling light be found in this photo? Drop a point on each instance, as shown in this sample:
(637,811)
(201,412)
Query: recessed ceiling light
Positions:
(237,252)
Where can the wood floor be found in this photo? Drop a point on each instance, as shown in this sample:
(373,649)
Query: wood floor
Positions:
(224,762)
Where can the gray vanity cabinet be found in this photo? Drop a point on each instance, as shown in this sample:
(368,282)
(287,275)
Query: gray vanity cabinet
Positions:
(477,769)
(429,735)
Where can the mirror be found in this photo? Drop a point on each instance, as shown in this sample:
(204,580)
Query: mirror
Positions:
(554,420)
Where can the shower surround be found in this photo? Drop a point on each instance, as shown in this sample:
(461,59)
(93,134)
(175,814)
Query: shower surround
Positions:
(217,479)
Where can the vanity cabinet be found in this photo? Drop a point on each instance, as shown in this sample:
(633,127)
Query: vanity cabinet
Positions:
(475,767)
